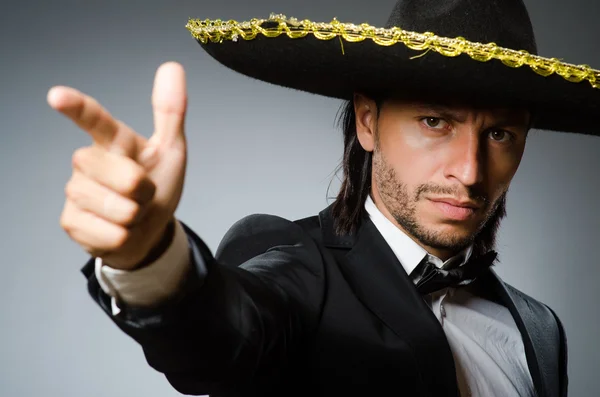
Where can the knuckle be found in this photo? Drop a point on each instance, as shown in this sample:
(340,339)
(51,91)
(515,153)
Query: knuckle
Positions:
(89,114)
(131,212)
(71,191)
(79,157)
(132,181)
(77,189)
(68,218)
(118,239)
(78,111)
(65,222)
(93,120)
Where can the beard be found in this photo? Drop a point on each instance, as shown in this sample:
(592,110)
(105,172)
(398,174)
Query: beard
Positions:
(402,205)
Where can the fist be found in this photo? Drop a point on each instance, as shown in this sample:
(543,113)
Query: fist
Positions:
(124,188)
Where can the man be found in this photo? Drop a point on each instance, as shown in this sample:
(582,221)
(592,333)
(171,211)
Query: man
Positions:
(389,291)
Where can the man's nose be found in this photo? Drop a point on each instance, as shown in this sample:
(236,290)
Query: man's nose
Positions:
(466,159)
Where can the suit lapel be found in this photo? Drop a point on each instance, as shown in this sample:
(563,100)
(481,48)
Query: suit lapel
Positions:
(381,283)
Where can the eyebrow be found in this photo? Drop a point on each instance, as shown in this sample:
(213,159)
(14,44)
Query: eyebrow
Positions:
(505,118)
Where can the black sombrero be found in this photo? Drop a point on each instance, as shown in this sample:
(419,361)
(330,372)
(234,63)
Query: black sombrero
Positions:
(483,52)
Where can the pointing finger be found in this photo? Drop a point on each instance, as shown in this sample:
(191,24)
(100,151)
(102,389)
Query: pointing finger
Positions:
(90,116)
(86,112)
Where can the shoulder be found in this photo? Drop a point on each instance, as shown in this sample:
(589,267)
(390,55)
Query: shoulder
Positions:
(256,234)
(547,333)
(540,313)
(537,308)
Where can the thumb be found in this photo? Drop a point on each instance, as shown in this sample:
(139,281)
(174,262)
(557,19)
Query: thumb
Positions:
(169,102)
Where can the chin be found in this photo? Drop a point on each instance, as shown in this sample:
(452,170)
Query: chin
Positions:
(450,240)
(453,230)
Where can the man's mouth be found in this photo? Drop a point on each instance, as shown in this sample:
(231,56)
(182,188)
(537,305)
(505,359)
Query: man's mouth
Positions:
(460,210)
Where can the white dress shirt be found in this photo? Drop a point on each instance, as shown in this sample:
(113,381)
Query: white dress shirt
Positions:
(483,336)
(485,341)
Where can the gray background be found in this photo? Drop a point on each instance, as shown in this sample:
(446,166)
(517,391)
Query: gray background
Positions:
(253,148)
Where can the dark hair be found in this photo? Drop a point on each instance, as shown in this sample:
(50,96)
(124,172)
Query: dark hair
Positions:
(348,207)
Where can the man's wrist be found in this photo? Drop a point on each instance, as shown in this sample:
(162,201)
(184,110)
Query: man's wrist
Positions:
(160,248)
(155,282)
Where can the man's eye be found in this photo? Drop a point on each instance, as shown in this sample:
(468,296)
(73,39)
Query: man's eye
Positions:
(434,122)
(500,136)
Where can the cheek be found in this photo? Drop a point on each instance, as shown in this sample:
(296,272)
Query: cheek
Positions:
(408,169)
(502,170)
(412,159)
(505,163)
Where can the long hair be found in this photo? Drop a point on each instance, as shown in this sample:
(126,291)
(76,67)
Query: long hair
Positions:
(348,207)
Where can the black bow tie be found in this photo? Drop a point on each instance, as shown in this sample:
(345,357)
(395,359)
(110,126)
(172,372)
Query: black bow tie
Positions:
(428,278)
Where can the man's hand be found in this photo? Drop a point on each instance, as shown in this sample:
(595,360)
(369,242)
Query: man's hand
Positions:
(125,188)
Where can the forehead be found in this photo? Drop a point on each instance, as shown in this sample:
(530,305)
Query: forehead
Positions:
(459,111)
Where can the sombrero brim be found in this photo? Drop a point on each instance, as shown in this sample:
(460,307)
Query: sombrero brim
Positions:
(337,59)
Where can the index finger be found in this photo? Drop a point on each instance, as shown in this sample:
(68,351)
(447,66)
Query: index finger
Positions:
(86,112)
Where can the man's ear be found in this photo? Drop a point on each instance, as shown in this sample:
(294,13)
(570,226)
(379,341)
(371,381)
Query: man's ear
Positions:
(365,110)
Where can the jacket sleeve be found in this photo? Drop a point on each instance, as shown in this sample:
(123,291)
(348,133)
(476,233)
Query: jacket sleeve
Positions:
(242,324)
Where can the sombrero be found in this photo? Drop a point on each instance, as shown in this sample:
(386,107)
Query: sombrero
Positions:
(481,52)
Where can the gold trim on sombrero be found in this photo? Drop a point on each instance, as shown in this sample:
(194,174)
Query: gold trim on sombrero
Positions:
(217,31)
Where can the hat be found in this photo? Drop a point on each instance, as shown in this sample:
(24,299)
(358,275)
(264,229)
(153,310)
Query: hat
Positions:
(482,53)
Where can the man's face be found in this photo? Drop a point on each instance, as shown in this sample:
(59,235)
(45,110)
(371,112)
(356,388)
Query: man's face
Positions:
(440,172)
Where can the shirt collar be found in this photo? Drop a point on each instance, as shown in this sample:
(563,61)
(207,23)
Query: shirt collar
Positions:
(408,252)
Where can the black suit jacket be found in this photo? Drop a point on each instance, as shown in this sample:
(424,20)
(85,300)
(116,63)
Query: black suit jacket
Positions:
(292,309)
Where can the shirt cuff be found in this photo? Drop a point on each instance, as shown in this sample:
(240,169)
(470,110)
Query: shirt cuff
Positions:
(151,284)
